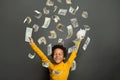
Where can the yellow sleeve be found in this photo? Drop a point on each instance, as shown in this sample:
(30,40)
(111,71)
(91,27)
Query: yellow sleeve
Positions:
(73,55)
(40,53)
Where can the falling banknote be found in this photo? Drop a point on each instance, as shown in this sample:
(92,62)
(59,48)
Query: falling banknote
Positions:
(87,27)
(38,14)
(46,22)
(60,27)
(86,43)
(56,18)
(60,41)
(53,35)
(85,14)
(42,40)
(49,49)
(62,12)
(49,3)
(28,20)
(74,22)
(46,11)
(28,34)
(68,1)
(72,10)
(35,27)
(73,68)
(70,31)
(31,56)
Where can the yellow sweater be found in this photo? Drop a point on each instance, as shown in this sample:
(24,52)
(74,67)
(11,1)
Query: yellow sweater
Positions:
(57,71)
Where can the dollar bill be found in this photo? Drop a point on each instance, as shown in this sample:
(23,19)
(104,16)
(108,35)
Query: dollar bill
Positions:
(38,14)
(42,40)
(68,1)
(87,27)
(46,64)
(46,22)
(55,8)
(74,22)
(56,18)
(62,12)
(60,41)
(60,27)
(28,20)
(49,49)
(74,65)
(31,56)
(85,14)
(28,34)
(70,31)
(86,43)
(72,10)
(53,35)
(50,3)
(46,11)
(35,27)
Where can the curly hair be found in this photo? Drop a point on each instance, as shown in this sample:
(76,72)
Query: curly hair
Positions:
(60,47)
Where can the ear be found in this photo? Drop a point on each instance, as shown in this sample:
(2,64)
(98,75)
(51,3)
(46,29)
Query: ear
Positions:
(64,58)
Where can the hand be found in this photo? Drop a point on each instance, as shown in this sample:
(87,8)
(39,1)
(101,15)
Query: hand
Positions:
(31,40)
(81,34)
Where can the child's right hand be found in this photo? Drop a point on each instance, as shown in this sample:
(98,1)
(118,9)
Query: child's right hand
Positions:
(31,40)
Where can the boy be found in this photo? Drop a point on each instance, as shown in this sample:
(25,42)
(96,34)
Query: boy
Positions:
(59,70)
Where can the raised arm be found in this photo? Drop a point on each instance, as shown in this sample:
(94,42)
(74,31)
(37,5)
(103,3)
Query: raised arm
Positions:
(39,52)
(80,36)
(74,53)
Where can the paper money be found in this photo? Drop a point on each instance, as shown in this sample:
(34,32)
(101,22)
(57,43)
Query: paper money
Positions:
(56,18)
(85,14)
(28,20)
(46,65)
(87,27)
(49,3)
(42,40)
(86,43)
(68,1)
(49,49)
(60,41)
(38,14)
(31,56)
(59,27)
(74,22)
(72,10)
(46,11)
(53,35)
(28,34)
(70,31)
(46,22)
(81,34)
(55,8)
(73,68)
(35,27)
(62,12)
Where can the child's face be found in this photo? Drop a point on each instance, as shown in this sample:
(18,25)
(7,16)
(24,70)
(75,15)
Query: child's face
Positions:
(58,55)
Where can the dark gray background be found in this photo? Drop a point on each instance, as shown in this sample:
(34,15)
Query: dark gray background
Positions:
(101,60)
